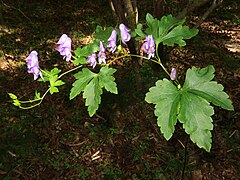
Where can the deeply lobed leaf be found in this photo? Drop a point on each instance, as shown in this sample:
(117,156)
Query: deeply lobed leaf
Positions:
(168,30)
(83,77)
(195,114)
(190,105)
(198,81)
(91,85)
(166,97)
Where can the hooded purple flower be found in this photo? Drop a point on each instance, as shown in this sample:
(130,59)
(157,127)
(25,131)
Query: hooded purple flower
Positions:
(173,74)
(124,33)
(149,46)
(101,54)
(33,66)
(64,47)
(112,41)
(92,60)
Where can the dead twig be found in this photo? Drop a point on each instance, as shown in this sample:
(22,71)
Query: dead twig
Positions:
(19,10)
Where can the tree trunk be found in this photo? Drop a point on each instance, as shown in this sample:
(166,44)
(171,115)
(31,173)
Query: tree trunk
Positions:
(214,5)
(191,7)
(127,14)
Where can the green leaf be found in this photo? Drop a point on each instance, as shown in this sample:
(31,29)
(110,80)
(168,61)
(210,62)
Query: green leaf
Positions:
(82,53)
(53,89)
(92,94)
(55,71)
(198,81)
(195,114)
(139,32)
(52,79)
(80,60)
(166,98)
(47,74)
(149,19)
(189,104)
(37,95)
(169,30)
(16,102)
(167,23)
(83,77)
(177,35)
(103,34)
(12,96)
(58,83)
(91,85)
(106,79)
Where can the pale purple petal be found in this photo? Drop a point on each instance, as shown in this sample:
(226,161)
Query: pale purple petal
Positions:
(173,74)
(92,60)
(148,46)
(124,33)
(64,47)
(32,65)
(112,41)
(62,39)
(101,54)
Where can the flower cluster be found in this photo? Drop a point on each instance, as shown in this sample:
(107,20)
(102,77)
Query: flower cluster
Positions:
(101,56)
(148,47)
(112,44)
(64,48)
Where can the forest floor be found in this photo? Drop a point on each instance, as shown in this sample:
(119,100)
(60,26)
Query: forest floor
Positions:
(58,140)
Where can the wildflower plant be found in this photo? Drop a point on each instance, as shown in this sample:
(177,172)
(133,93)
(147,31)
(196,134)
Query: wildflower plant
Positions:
(188,103)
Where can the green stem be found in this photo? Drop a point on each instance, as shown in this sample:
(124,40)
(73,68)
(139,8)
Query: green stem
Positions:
(158,57)
(37,104)
(43,96)
(69,71)
(160,63)
(127,55)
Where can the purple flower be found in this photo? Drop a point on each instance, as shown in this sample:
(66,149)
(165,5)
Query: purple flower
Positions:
(149,46)
(173,74)
(124,33)
(33,66)
(64,47)
(101,54)
(92,60)
(112,41)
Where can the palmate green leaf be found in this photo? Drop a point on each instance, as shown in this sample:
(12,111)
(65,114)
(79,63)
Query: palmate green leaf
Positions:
(47,74)
(55,82)
(169,30)
(166,98)
(83,77)
(106,79)
(190,105)
(198,81)
(91,84)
